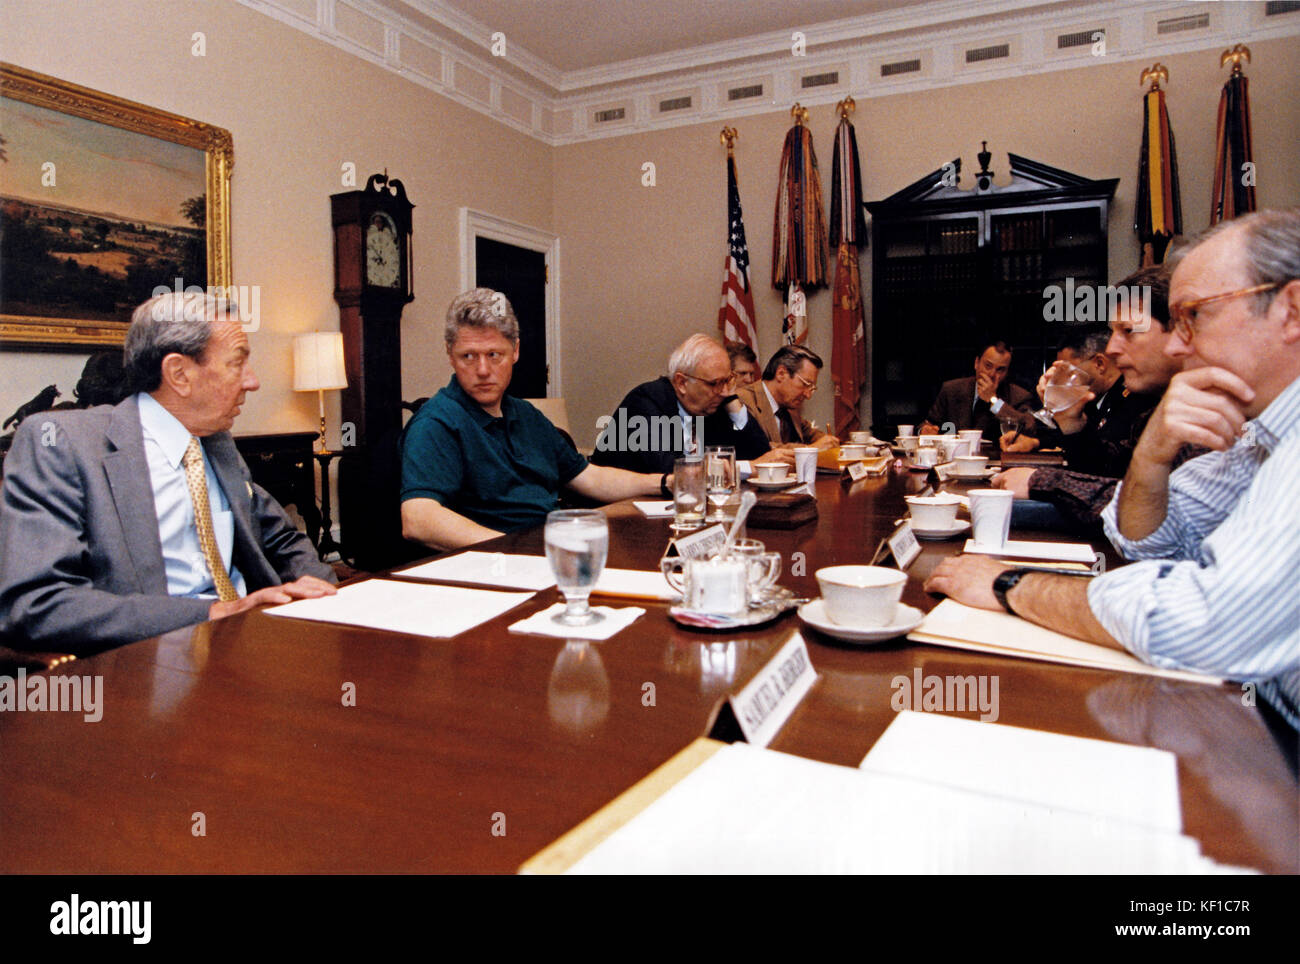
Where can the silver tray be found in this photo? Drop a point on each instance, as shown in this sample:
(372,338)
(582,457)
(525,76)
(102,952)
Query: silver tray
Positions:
(778,602)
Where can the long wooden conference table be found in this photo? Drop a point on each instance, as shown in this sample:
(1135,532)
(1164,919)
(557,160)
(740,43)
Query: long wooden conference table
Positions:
(471,754)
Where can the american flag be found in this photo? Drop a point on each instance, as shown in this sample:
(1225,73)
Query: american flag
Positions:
(736,314)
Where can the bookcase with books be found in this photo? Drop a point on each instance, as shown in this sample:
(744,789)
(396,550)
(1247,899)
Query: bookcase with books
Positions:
(951,266)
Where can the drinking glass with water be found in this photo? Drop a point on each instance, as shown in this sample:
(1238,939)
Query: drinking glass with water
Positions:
(577,542)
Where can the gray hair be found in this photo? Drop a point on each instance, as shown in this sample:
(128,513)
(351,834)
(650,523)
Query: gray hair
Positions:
(481,308)
(691,353)
(177,322)
(1272,248)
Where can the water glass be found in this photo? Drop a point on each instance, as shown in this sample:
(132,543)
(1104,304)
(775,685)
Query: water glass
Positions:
(689,488)
(577,542)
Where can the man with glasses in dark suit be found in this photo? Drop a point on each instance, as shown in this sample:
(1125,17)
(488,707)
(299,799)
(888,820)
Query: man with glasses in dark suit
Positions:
(681,413)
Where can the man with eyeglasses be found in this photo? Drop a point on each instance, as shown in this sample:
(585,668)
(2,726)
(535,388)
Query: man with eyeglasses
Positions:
(1216,542)
(692,407)
(789,380)
(477,462)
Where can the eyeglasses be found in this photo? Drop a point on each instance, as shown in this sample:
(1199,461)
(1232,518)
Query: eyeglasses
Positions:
(1183,314)
(809,387)
(715,384)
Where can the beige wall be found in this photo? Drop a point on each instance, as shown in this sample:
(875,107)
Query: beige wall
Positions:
(643,266)
(297,110)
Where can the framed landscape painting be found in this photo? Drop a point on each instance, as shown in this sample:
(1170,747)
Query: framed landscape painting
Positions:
(102,201)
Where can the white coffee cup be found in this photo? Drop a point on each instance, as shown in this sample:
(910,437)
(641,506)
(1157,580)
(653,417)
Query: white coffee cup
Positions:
(771,471)
(908,443)
(970,466)
(927,457)
(971,434)
(805,463)
(990,515)
(860,438)
(906,430)
(853,450)
(861,595)
(934,511)
(947,445)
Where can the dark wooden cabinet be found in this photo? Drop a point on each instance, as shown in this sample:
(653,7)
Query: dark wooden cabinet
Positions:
(952,267)
(282,464)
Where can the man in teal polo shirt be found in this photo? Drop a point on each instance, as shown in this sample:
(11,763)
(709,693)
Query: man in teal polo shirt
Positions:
(477,462)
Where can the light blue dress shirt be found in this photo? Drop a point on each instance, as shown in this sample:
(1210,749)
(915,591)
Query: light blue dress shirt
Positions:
(1215,587)
(165,442)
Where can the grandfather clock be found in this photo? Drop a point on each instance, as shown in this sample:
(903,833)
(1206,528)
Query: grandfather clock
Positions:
(372,283)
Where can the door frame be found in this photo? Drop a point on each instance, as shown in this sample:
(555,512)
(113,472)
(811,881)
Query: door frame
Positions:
(480,224)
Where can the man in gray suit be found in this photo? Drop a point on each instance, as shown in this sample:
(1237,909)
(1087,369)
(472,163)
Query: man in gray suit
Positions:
(126,521)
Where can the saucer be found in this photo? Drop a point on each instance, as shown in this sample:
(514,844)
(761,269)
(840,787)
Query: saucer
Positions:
(906,619)
(985,473)
(773,483)
(957,528)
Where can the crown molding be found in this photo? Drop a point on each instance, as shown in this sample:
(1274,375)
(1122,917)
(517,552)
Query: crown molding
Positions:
(558,107)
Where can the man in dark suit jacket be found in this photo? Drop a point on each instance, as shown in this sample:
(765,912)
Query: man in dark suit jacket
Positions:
(982,400)
(98,538)
(658,421)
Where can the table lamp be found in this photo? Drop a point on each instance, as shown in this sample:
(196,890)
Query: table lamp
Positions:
(318,367)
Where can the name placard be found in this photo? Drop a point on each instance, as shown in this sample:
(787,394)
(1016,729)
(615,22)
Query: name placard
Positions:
(904,546)
(768,700)
(703,544)
(857,471)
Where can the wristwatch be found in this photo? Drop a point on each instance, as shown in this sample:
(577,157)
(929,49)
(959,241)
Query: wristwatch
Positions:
(1005,582)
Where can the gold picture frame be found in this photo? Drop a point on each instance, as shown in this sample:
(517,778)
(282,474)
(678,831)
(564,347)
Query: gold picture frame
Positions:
(32,329)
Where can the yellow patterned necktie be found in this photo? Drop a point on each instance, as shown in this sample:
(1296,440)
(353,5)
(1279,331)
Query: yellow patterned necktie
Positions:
(196,479)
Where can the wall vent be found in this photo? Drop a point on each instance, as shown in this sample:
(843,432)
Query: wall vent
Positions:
(1080,38)
(820,80)
(612,114)
(746,92)
(900,67)
(1195,21)
(674,103)
(993,52)
(1276,8)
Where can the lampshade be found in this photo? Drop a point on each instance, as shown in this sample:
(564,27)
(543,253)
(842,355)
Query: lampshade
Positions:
(318,362)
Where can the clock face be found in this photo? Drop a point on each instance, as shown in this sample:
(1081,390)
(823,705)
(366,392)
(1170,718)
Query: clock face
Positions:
(383,255)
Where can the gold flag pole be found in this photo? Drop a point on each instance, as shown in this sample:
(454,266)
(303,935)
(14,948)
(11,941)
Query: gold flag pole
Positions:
(728,140)
(1235,55)
(1156,73)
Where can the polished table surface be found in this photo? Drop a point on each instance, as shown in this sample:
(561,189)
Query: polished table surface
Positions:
(474,753)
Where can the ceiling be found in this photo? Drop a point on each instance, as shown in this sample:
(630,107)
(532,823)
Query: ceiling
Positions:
(567,45)
(579,34)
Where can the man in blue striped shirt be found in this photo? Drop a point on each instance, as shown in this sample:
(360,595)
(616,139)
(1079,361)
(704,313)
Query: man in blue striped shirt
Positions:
(1216,543)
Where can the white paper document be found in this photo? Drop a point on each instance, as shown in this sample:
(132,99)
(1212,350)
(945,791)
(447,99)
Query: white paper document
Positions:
(633,584)
(1113,780)
(488,569)
(655,510)
(405,607)
(1022,549)
(748,810)
(964,627)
